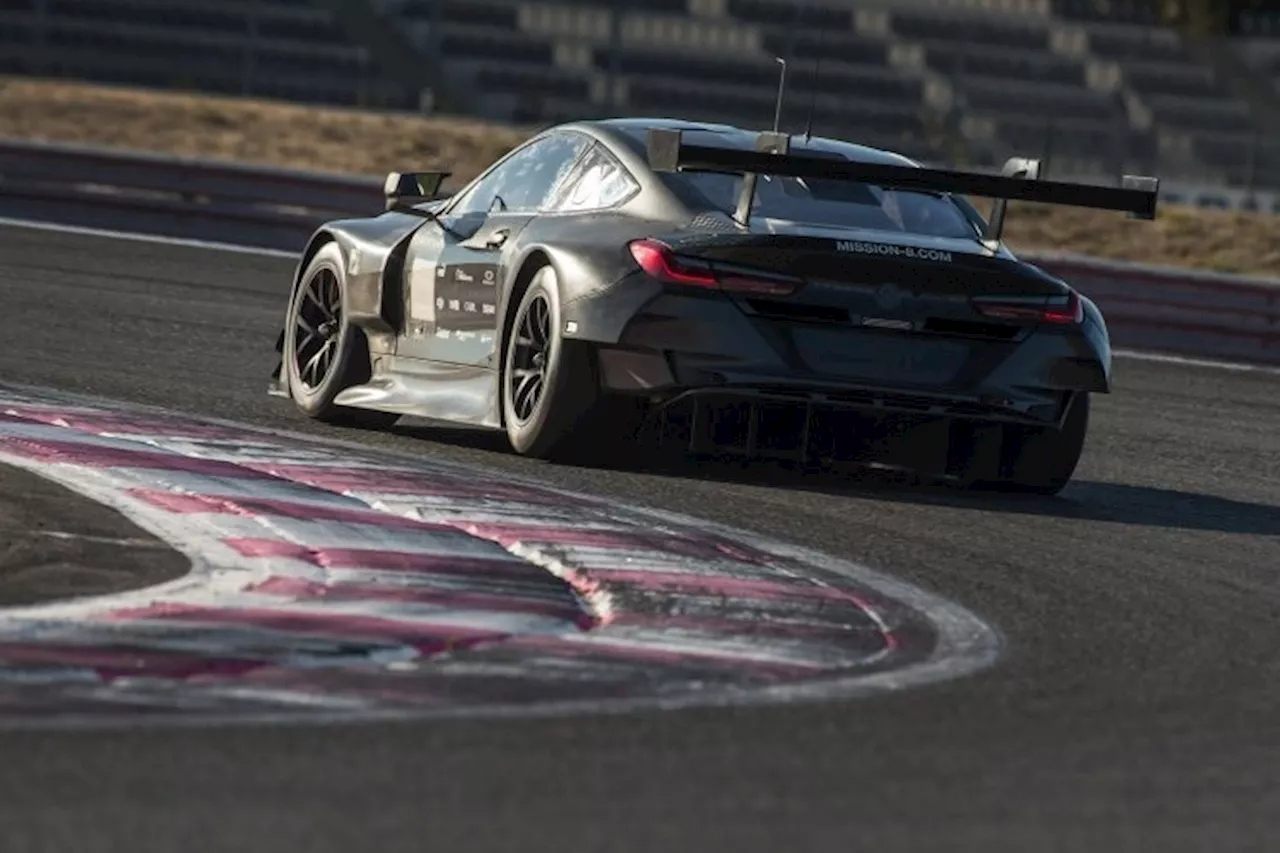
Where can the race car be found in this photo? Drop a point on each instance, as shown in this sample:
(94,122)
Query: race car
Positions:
(753,293)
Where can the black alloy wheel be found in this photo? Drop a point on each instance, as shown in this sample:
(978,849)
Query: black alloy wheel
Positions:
(318,323)
(548,383)
(532,353)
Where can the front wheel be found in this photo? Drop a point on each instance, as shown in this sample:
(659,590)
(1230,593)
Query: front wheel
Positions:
(548,384)
(323,353)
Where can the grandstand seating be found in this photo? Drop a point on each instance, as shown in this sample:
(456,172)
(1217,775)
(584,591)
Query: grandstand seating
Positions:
(1203,128)
(1096,85)
(288,49)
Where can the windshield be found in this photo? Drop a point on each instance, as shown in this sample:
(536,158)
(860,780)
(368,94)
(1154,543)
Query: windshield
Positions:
(838,204)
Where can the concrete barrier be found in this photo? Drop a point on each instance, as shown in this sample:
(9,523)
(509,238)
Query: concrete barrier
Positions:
(1176,310)
(175,196)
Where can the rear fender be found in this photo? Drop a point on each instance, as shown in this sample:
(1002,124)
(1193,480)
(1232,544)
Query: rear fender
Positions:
(1056,361)
(1098,350)
(593,266)
(598,293)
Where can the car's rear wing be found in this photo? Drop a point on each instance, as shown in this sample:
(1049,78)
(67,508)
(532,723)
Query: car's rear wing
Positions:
(1019,180)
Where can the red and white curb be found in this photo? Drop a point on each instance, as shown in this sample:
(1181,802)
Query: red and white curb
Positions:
(332,582)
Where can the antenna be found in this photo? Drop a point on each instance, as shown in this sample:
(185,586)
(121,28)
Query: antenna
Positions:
(782,85)
(1050,127)
(813,88)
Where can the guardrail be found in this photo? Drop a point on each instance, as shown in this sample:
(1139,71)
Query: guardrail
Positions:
(175,196)
(1171,310)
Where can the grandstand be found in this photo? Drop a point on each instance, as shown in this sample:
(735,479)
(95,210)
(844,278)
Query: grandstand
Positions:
(289,49)
(1097,87)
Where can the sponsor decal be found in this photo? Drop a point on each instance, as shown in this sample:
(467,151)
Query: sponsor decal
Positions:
(893,251)
(422,276)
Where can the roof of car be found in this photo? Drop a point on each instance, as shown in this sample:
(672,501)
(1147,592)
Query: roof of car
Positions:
(728,136)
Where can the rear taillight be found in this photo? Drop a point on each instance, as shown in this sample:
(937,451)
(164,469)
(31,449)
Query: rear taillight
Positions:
(1061,311)
(660,262)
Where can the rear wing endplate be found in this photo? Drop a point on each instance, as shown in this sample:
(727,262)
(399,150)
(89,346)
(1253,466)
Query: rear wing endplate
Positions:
(1018,181)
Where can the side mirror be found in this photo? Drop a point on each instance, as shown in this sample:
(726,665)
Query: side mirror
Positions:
(404,189)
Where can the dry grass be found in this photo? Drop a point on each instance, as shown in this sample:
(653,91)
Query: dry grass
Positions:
(249,131)
(352,141)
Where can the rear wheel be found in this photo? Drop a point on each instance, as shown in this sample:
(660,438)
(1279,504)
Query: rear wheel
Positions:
(323,352)
(1041,460)
(550,394)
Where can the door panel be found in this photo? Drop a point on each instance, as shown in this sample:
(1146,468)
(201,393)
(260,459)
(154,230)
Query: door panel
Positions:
(423,265)
(468,292)
(453,289)
(454,274)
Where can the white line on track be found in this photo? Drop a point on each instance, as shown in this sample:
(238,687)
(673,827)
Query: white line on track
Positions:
(104,540)
(136,237)
(1163,358)
(1188,361)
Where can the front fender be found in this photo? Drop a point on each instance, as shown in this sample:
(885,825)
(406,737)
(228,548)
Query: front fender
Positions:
(371,248)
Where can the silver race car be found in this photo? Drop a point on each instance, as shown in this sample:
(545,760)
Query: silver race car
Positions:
(748,292)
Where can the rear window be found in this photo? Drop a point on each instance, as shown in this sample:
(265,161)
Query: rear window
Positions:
(839,204)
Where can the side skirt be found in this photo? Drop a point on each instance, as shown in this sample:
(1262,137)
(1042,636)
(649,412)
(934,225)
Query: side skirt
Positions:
(458,393)
(279,386)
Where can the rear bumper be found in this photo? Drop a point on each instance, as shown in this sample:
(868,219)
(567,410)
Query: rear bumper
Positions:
(683,343)
(668,378)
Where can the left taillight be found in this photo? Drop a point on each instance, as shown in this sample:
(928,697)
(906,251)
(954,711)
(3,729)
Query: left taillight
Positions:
(659,261)
(1063,311)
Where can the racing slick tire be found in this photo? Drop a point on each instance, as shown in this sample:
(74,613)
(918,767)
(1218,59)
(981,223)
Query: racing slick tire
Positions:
(1041,460)
(330,354)
(550,392)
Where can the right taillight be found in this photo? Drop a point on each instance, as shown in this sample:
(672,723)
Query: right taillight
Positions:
(1064,311)
(660,262)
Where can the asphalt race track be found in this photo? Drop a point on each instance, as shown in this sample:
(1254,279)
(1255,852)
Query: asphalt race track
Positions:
(1134,706)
